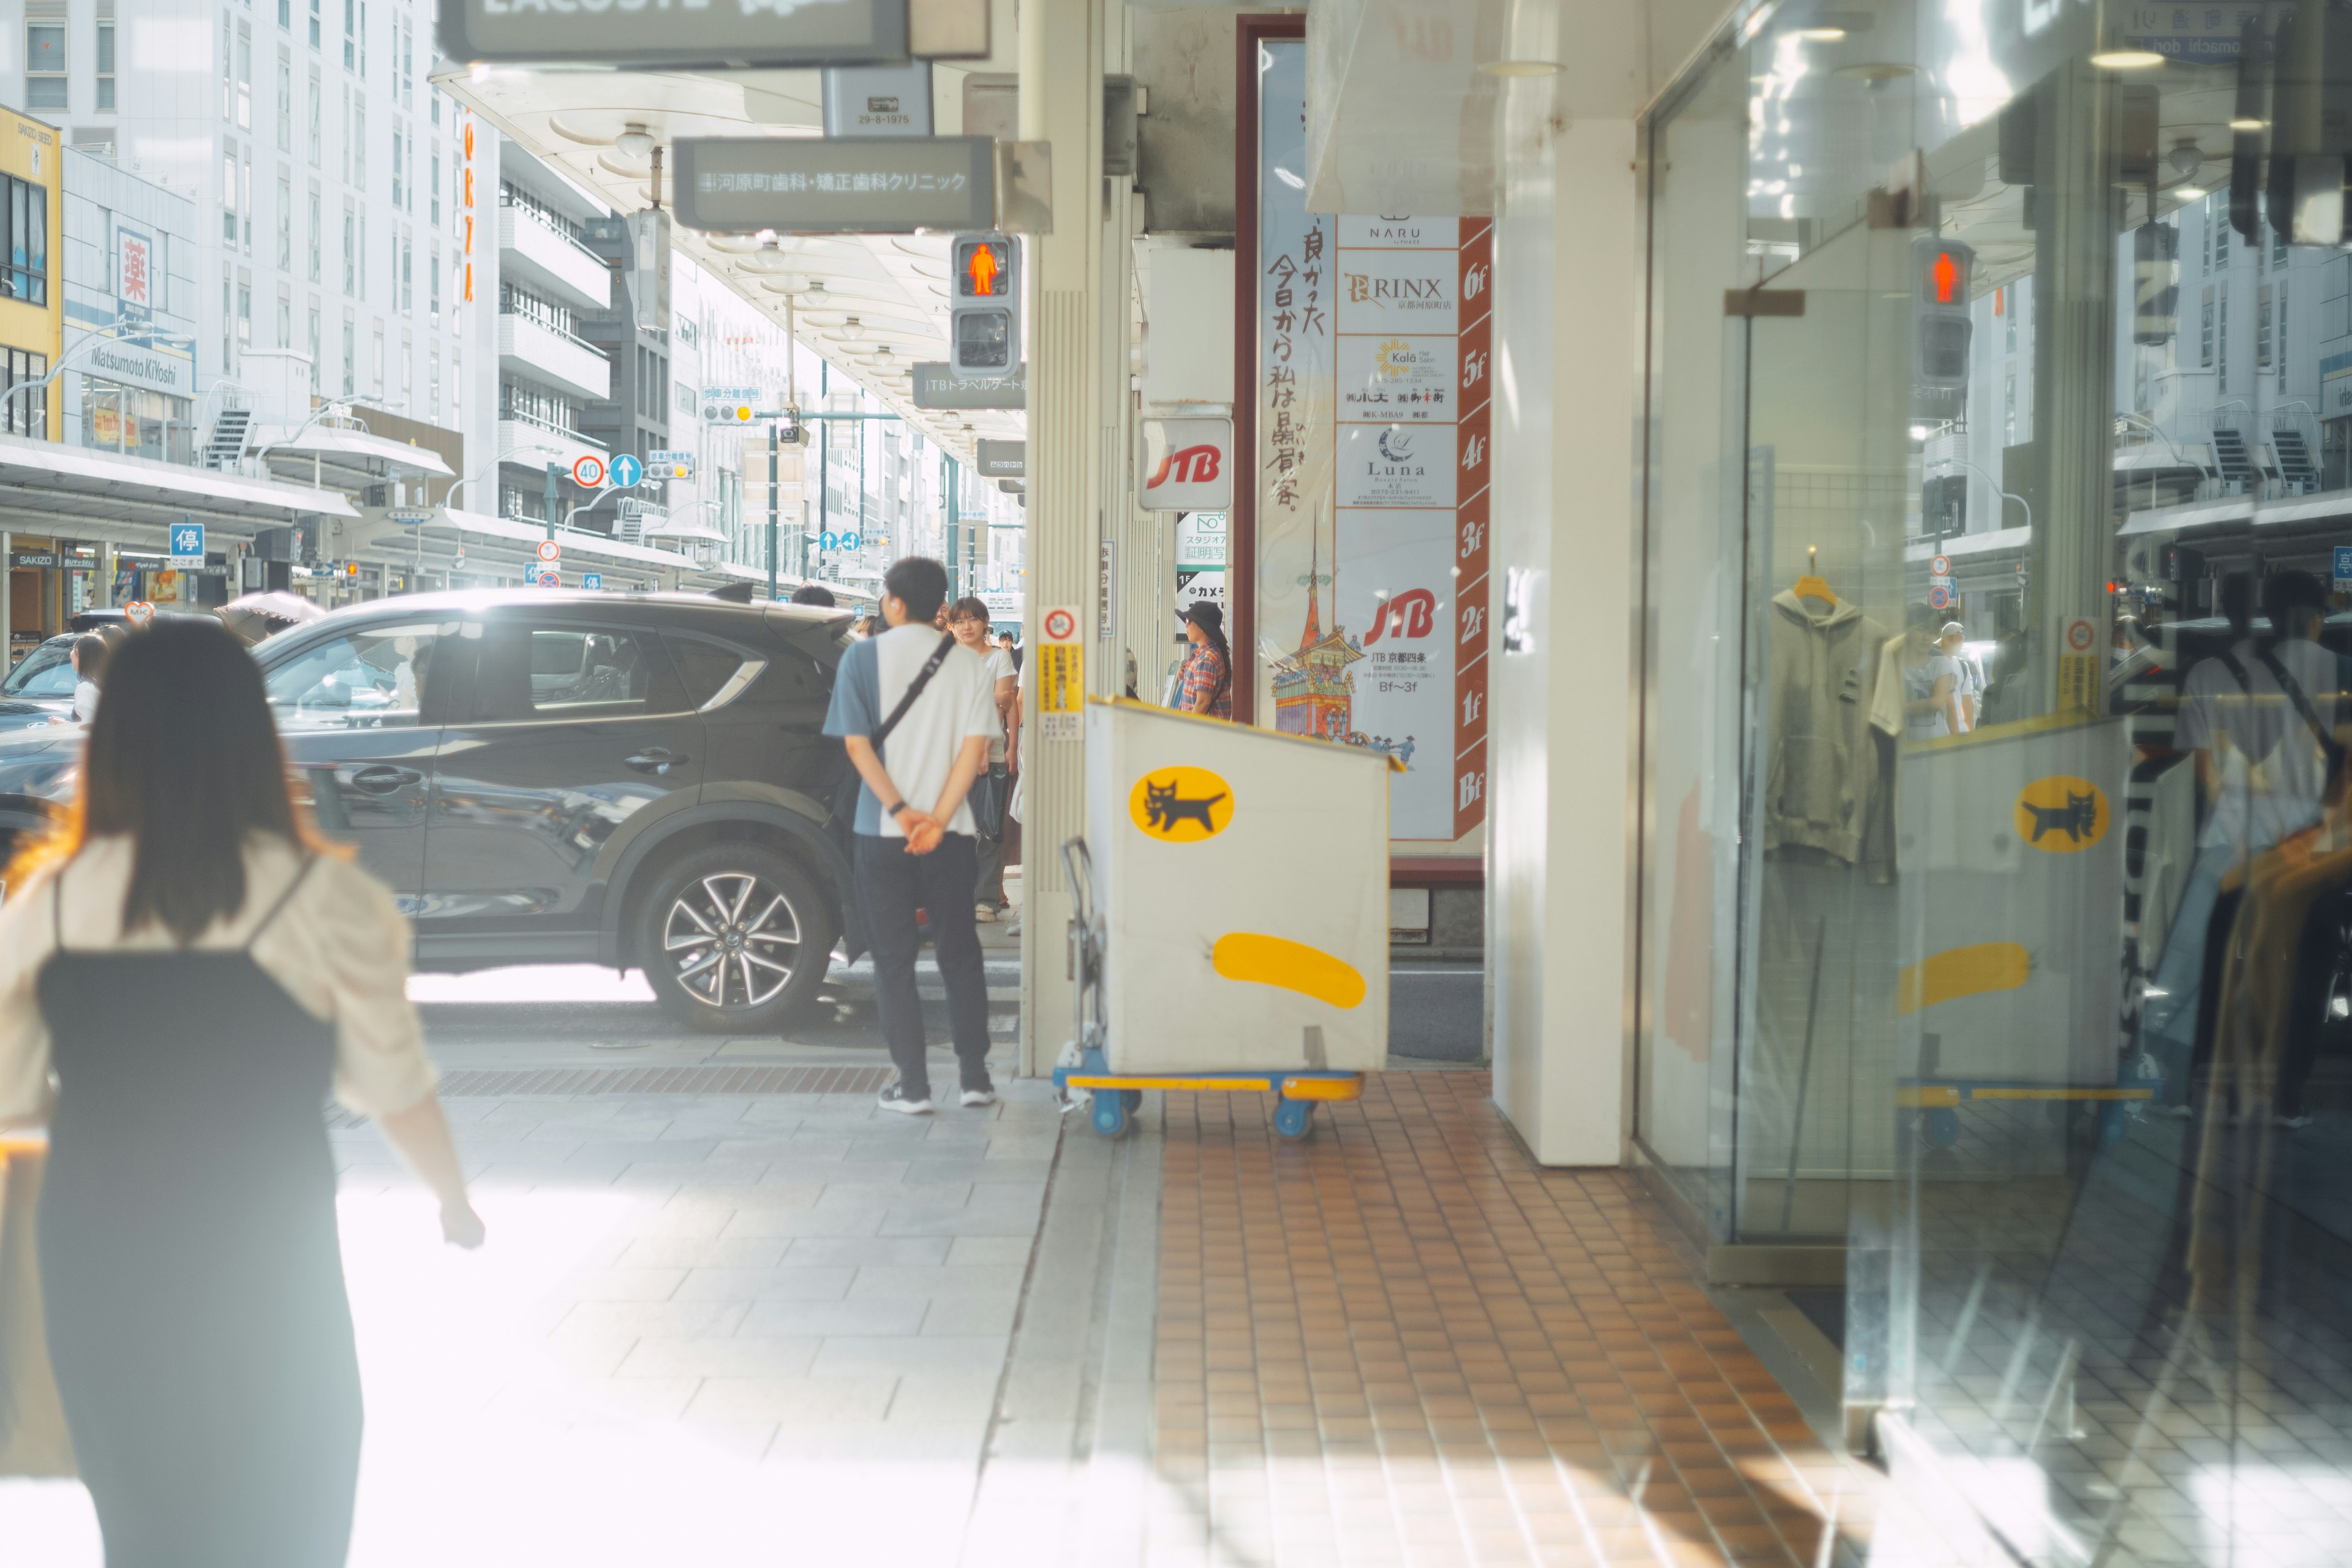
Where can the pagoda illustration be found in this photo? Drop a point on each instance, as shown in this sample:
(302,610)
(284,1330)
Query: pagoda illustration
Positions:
(1314,690)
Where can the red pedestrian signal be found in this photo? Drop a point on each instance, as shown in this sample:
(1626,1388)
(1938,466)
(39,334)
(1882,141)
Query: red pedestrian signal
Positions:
(1945,272)
(984,269)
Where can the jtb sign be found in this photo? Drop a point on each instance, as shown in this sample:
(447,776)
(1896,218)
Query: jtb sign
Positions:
(1188,465)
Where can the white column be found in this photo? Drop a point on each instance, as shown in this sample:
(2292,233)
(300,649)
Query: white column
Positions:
(1061,44)
(1563,723)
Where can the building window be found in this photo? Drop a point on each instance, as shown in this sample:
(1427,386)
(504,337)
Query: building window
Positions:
(2221,344)
(245,76)
(228,194)
(2263,328)
(351,35)
(432,288)
(314,25)
(362,289)
(316,379)
(433,383)
(229,69)
(245,200)
(359,142)
(408,273)
(350,359)
(285,221)
(2279,332)
(396,168)
(407,63)
(376,380)
(407,368)
(106,68)
(245,312)
(27,276)
(434,206)
(316,244)
(2205,333)
(2218,220)
(285,102)
(457,387)
(350,254)
(285,14)
(285,318)
(45,68)
(316,138)
(28,414)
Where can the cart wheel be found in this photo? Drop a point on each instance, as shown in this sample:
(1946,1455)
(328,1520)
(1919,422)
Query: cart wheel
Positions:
(1943,1128)
(1110,1113)
(1134,1104)
(1294,1119)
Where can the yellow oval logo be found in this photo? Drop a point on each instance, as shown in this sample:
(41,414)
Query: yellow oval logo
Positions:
(1182,806)
(2061,815)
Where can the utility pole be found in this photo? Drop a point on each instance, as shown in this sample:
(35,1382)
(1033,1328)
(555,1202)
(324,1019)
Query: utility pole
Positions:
(775,427)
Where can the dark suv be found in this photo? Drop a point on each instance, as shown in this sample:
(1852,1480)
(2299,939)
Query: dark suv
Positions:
(545,777)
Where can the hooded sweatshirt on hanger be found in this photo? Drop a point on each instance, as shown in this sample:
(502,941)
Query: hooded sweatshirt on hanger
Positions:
(1819,763)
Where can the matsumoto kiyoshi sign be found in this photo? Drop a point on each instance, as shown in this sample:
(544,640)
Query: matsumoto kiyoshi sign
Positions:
(136,364)
(713,33)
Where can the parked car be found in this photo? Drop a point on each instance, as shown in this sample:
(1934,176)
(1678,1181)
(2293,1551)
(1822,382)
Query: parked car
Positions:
(41,690)
(634,780)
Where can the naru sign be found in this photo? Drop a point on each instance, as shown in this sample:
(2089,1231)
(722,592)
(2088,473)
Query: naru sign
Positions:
(1188,465)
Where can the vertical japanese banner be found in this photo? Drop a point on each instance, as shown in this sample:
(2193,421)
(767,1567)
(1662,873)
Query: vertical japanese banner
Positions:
(1471,533)
(1370,538)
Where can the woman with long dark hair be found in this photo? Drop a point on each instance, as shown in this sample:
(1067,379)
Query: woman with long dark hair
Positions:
(1208,672)
(185,974)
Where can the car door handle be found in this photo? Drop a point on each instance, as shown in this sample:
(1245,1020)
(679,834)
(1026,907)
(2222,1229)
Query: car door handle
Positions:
(656,760)
(382,779)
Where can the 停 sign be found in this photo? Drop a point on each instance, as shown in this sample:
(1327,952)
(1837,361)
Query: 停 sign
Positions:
(592,581)
(692,35)
(2343,554)
(187,544)
(937,386)
(850,184)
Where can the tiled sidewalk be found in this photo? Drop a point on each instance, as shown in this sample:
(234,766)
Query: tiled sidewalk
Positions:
(1403,1342)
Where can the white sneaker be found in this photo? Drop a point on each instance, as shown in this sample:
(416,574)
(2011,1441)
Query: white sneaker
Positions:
(2286,1123)
(976,1097)
(984,913)
(896,1098)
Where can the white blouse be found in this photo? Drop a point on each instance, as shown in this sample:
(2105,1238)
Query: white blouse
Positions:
(339,947)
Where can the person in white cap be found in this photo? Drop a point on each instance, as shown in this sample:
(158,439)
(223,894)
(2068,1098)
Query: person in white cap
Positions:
(1970,690)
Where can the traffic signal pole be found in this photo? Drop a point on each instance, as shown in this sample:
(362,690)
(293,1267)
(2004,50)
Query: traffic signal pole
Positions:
(554,478)
(775,450)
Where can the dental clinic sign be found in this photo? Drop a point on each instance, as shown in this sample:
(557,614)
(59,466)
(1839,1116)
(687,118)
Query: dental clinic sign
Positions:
(711,34)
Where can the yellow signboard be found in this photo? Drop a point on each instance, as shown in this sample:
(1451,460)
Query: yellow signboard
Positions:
(2061,815)
(1180,805)
(1061,677)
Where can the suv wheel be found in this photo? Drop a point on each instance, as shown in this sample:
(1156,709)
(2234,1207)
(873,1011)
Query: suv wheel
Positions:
(733,938)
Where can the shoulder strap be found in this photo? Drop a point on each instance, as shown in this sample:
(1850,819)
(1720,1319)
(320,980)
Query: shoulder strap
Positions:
(2228,659)
(2329,747)
(914,687)
(283,899)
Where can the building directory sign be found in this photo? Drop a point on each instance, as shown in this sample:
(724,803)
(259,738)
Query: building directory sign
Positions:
(1371,487)
(845,184)
(710,35)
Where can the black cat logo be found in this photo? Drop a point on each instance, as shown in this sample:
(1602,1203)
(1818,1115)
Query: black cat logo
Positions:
(1166,809)
(2078,818)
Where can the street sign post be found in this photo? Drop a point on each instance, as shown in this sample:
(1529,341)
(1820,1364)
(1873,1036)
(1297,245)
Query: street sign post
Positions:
(544,577)
(187,545)
(850,184)
(588,471)
(626,471)
(550,552)
(592,581)
(2343,567)
(1939,566)
(938,387)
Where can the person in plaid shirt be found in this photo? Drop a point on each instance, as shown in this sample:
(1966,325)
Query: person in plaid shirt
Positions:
(1208,675)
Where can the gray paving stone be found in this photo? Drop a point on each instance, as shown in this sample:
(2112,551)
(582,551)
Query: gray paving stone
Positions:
(719,1355)
(930,1358)
(799,1284)
(800,1400)
(786,1222)
(863,1251)
(776,1316)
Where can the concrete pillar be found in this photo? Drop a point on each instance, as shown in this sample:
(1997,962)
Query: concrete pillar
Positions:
(1074,431)
(1560,863)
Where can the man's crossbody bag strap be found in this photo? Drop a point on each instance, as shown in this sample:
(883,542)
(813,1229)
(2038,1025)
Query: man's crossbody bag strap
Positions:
(2329,747)
(914,687)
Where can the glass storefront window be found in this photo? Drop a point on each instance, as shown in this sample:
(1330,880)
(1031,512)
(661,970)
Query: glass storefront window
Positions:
(1996,967)
(136,422)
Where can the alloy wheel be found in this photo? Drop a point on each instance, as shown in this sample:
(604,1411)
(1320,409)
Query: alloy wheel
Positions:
(731,939)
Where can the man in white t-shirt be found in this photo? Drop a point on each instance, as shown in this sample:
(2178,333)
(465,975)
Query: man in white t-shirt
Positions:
(2262,723)
(915,760)
(968,618)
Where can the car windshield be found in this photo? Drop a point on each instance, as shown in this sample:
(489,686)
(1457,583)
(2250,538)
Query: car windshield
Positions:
(47,671)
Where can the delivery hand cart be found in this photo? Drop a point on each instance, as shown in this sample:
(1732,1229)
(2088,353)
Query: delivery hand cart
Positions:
(1230,925)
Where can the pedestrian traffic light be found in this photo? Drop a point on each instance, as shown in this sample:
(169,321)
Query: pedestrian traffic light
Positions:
(985,314)
(1939,353)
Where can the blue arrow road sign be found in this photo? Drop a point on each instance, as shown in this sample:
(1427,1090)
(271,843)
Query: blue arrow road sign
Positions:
(828,540)
(188,539)
(626,472)
(849,542)
(591,580)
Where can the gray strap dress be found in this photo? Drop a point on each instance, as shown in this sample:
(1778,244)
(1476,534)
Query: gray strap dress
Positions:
(189,1260)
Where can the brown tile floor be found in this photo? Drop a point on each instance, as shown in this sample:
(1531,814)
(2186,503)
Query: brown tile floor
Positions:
(1403,1342)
